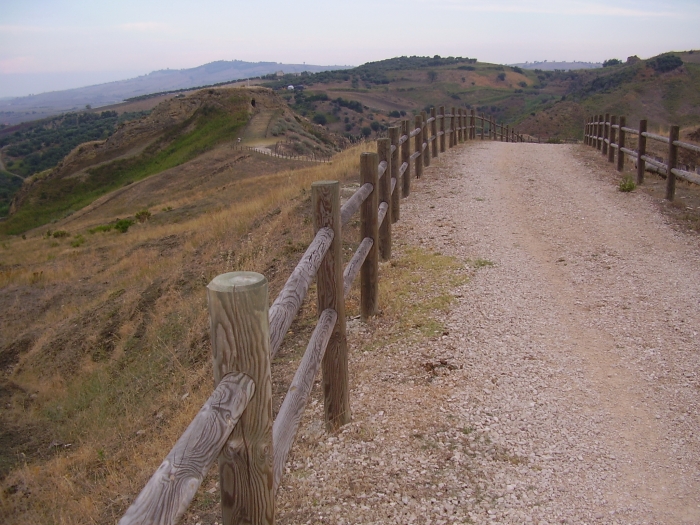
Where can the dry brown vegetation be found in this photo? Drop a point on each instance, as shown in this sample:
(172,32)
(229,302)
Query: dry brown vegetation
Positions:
(104,350)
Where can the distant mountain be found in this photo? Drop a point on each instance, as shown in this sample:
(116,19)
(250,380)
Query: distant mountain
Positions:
(563,66)
(15,110)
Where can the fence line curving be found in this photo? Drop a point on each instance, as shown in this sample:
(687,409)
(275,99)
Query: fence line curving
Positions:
(251,447)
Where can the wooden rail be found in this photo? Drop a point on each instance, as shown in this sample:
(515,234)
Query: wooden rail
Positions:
(609,135)
(236,425)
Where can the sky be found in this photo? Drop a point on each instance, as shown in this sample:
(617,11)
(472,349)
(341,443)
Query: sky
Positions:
(48,45)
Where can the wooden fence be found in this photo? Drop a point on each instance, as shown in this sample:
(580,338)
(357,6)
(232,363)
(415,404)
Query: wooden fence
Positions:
(610,134)
(235,425)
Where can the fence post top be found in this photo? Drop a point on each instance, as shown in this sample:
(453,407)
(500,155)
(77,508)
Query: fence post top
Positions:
(366,153)
(237,281)
(325,183)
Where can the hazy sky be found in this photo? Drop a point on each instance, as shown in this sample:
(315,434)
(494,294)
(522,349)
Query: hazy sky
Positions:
(56,44)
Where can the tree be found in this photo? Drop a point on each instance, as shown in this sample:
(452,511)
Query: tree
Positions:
(320,118)
(366,131)
(432,76)
(376,126)
(501,76)
(612,62)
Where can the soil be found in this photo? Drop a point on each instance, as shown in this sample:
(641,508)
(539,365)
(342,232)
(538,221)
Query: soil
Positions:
(565,388)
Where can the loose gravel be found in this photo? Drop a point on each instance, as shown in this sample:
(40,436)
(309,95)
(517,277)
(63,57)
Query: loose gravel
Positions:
(566,386)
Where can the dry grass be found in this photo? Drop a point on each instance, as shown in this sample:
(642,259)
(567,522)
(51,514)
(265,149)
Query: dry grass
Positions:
(118,363)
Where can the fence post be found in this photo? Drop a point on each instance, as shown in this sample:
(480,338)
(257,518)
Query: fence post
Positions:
(369,282)
(325,196)
(587,131)
(406,157)
(384,154)
(641,151)
(621,145)
(673,136)
(453,127)
(424,139)
(240,339)
(611,150)
(472,124)
(396,196)
(433,133)
(441,109)
(606,133)
(483,126)
(463,126)
(418,144)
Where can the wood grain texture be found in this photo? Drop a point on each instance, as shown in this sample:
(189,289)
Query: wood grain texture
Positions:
(453,130)
(384,155)
(381,214)
(613,133)
(433,132)
(405,161)
(606,134)
(325,197)
(472,124)
(286,306)
(369,273)
(673,136)
(170,490)
(353,267)
(424,138)
(441,114)
(395,195)
(641,151)
(288,418)
(354,202)
(381,168)
(238,314)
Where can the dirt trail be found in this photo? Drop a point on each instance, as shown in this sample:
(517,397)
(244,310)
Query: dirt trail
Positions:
(571,387)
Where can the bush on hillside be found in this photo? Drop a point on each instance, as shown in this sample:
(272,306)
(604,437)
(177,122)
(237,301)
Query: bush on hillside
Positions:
(665,63)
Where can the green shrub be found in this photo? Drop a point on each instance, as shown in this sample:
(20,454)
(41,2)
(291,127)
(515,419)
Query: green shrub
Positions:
(143,215)
(101,228)
(122,225)
(78,241)
(627,184)
(59,234)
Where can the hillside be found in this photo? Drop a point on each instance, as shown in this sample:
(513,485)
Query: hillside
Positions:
(541,103)
(32,107)
(177,132)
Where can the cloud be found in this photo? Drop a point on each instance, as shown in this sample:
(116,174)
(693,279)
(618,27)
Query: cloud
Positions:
(143,26)
(565,8)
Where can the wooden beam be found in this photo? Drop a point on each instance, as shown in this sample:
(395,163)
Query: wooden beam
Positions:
(170,490)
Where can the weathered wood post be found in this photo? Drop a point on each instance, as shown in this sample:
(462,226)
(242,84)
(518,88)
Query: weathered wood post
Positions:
(325,196)
(472,124)
(641,151)
(384,154)
(606,134)
(369,273)
(463,120)
(441,109)
(494,128)
(673,136)
(455,126)
(396,195)
(601,132)
(424,136)
(507,133)
(418,145)
(240,339)
(613,132)
(460,138)
(621,144)
(406,158)
(433,133)
(483,126)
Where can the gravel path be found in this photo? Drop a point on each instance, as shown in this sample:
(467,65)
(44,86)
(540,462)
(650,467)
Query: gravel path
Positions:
(566,389)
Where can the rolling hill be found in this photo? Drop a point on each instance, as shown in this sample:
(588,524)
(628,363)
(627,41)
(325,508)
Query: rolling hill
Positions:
(15,110)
